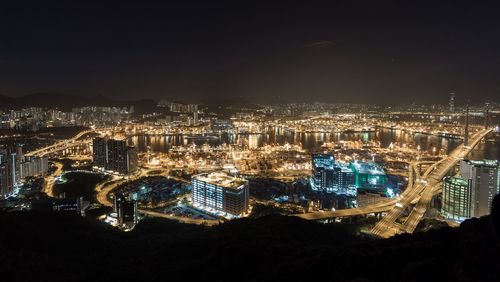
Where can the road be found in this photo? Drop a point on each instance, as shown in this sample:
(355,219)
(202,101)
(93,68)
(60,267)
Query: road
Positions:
(61,145)
(103,190)
(419,192)
(422,193)
(48,181)
(382,206)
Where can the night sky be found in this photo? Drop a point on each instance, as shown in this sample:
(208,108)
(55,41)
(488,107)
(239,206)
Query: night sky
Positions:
(285,51)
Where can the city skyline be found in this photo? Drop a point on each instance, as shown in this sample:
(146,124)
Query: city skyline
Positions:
(250,140)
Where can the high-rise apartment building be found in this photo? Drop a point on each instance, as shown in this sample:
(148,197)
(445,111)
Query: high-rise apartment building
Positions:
(457,198)
(14,167)
(483,178)
(99,152)
(332,177)
(471,194)
(220,193)
(452,102)
(114,155)
(370,176)
(125,209)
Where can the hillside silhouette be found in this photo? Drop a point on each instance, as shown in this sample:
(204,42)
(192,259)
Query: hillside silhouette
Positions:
(55,247)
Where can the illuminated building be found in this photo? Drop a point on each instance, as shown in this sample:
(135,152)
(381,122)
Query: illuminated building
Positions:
(100,116)
(5,188)
(8,172)
(323,161)
(331,177)
(471,194)
(121,158)
(221,125)
(114,155)
(346,180)
(99,152)
(195,117)
(369,176)
(483,178)
(10,164)
(69,206)
(452,102)
(457,199)
(125,209)
(323,172)
(220,194)
(33,166)
(192,108)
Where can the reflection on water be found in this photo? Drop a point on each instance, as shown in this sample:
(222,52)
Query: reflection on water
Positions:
(311,141)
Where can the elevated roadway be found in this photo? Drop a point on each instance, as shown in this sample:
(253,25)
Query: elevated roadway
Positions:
(421,194)
(48,183)
(103,190)
(382,206)
(61,145)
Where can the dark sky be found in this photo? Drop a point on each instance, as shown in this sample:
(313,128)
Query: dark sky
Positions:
(300,51)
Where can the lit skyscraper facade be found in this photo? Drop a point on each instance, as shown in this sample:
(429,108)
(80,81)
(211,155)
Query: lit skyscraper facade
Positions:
(33,166)
(457,199)
(117,156)
(5,185)
(452,102)
(322,178)
(220,193)
(9,169)
(471,194)
(114,155)
(483,178)
(99,152)
(370,176)
(125,209)
(14,167)
(332,177)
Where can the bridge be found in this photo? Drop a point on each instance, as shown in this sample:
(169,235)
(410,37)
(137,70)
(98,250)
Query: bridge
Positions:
(420,195)
(62,145)
(382,206)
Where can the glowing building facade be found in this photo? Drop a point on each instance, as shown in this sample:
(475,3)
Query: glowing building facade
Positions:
(114,155)
(457,198)
(483,179)
(471,194)
(220,194)
(15,167)
(369,176)
(331,177)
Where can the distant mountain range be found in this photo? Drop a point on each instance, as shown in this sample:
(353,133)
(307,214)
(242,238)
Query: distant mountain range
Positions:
(66,102)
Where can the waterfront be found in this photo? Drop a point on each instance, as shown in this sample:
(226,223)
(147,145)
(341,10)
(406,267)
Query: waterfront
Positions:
(314,141)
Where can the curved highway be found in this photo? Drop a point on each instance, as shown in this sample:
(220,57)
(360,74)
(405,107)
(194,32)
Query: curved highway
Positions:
(48,181)
(382,206)
(423,192)
(61,145)
(419,192)
(103,189)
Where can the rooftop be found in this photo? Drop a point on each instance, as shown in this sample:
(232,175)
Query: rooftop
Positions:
(221,179)
(456,180)
(490,163)
(368,167)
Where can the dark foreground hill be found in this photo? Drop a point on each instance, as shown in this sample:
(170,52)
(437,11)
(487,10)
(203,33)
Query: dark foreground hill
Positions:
(51,247)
